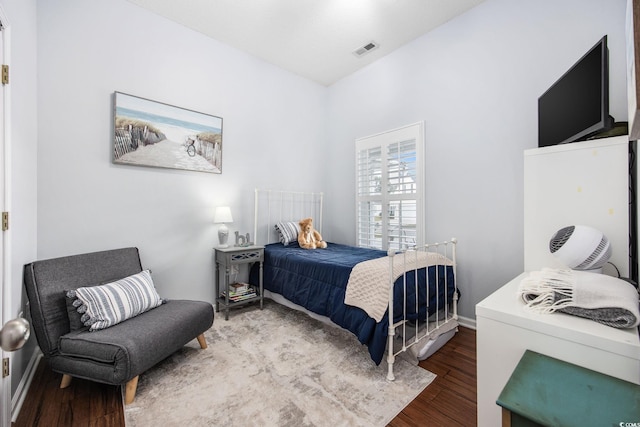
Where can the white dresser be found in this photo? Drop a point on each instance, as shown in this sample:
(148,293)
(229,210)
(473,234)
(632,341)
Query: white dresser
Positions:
(582,183)
(505,330)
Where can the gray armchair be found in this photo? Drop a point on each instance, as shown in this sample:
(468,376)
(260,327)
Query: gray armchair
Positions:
(118,354)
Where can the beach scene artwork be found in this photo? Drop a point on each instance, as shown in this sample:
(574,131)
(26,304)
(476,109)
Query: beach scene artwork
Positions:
(149,133)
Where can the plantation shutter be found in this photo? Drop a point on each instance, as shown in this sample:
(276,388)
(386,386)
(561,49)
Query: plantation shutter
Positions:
(389,189)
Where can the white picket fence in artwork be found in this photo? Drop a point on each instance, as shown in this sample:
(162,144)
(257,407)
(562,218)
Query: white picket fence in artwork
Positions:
(125,141)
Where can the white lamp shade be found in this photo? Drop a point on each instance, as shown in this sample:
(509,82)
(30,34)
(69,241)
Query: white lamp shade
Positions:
(222,215)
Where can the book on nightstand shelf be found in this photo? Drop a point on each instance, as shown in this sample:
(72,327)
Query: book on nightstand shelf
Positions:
(238,287)
(240,292)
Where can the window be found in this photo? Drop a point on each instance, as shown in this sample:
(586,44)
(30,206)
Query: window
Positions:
(390,188)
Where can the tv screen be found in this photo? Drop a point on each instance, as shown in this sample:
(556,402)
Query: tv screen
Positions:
(577,105)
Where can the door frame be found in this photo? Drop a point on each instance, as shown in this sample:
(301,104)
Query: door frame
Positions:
(5,200)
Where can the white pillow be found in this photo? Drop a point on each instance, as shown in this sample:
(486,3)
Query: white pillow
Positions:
(288,232)
(109,304)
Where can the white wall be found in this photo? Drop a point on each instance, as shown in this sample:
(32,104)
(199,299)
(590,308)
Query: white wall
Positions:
(475,82)
(271,119)
(21,236)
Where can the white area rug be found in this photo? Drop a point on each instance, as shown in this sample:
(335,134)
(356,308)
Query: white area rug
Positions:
(273,367)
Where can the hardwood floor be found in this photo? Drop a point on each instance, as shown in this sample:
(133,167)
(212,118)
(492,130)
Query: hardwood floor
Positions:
(450,400)
(83,403)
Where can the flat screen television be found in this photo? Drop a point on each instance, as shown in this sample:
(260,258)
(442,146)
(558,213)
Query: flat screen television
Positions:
(577,105)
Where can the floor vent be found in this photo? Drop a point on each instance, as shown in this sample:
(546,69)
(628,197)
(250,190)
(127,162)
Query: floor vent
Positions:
(365,49)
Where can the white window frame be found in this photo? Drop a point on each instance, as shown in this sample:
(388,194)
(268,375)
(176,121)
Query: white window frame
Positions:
(384,140)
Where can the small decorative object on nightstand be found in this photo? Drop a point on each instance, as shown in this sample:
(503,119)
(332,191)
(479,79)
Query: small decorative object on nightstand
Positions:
(231,257)
(222,217)
(243,240)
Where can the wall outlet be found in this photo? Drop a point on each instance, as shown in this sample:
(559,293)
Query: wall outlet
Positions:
(234,269)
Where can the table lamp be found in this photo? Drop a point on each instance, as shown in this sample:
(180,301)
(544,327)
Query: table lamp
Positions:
(223,216)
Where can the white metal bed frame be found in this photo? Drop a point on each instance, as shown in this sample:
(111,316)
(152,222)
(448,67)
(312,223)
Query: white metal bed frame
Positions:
(273,206)
(446,319)
(284,206)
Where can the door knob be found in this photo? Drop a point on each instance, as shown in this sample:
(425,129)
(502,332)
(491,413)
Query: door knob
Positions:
(14,334)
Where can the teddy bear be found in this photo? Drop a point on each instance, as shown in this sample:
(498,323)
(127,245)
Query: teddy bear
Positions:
(308,237)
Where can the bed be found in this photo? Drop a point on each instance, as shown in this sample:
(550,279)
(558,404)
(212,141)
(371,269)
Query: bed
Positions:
(351,286)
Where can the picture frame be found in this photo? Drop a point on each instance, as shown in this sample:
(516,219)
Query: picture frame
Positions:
(155,134)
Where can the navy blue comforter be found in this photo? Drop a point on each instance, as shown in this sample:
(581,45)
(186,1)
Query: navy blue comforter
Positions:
(317,280)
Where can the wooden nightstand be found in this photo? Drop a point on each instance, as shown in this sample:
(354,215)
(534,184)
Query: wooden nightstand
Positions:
(226,258)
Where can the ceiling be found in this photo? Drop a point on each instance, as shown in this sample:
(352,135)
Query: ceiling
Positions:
(312,38)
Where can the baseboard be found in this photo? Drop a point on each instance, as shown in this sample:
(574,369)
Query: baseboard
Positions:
(25,383)
(467,322)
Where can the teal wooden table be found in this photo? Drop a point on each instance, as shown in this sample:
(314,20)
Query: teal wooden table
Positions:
(543,391)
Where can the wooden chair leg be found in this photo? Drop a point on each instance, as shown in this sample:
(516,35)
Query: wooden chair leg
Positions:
(506,417)
(66,380)
(130,390)
(202,341)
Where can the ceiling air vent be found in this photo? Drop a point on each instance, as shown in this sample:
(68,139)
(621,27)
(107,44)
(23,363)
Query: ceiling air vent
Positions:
(365,49)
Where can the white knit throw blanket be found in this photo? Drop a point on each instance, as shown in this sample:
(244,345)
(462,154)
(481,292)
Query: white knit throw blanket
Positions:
(368,285)
(599,297)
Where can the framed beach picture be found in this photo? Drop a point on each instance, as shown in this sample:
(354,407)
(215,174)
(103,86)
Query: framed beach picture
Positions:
(150,133)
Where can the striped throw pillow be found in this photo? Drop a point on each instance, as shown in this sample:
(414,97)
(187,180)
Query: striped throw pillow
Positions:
(109,304)
(288,232)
